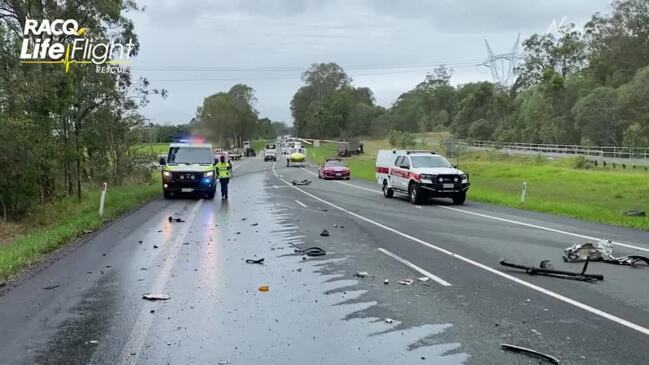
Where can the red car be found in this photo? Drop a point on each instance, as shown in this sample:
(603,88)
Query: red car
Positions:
(333,169)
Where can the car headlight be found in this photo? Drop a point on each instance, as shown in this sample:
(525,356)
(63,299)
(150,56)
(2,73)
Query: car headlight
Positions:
(166,174)
(208,174)
(428,177)
(464,178)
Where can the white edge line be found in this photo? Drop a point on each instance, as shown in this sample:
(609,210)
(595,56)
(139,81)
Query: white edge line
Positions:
(529,285)
(416,268)
(302,204)
(621,244)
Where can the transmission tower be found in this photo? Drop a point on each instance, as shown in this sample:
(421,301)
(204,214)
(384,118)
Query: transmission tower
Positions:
(503,66)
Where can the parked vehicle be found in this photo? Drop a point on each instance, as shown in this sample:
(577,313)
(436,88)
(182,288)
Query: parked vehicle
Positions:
(420,174)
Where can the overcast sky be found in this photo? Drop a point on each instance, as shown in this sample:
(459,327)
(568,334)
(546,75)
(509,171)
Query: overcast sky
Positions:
(387,45)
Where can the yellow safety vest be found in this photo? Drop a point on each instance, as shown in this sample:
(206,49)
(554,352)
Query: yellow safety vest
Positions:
(223,169)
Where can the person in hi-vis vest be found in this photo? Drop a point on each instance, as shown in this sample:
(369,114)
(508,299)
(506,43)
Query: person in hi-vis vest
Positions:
(223,171)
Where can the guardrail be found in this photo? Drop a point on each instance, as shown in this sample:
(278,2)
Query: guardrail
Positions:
(557,149)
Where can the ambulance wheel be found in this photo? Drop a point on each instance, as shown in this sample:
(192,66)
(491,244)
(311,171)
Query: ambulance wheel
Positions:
(387,192)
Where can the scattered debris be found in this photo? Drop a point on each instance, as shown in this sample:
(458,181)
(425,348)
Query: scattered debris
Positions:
(51,287)
(92,342)
(156,296)
(223,362)
(87,231)
(251,261)
(386,281)
(545,264)
(301,182)
(388,320)
(325,209)
(599,251)
(530,352)
(311,251)
(406,282)
(264,288)
(237,232)
(324,233)
(177,220)
(254,224)
(155,246)
(2,283)
(423,279)
(635,213)
(361,274)
(152,311)
(140,241)
(185,243)
(582,276)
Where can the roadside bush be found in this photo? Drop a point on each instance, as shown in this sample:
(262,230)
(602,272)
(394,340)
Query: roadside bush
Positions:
(581,163)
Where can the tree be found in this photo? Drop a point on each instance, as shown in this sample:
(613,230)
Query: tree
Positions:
(598,117)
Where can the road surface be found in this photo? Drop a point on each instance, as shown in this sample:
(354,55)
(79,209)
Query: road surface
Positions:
(85,305)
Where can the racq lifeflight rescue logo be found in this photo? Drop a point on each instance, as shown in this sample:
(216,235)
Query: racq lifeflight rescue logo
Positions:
(76,48)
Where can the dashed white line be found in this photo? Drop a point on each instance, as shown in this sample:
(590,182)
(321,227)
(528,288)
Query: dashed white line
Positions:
(415,267)
(469,261)
(548,229)
(302,204)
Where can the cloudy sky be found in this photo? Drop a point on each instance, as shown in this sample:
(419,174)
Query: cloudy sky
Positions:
(195,48)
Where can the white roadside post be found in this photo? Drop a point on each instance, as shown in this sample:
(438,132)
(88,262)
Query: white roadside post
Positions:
(523,192)
(102,199)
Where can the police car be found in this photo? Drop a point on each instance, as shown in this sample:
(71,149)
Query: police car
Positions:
(420,174)
(189,169)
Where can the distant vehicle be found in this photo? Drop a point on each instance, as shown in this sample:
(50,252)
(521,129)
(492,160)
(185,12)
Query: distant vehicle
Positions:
(420,174)
(246,145)
(346,149)
(188,169)
(270,153)
(250,152)
(220,152)
(333,169)
(235,154)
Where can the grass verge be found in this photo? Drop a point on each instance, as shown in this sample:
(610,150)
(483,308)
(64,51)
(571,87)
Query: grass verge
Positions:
(555,186)
(56,224)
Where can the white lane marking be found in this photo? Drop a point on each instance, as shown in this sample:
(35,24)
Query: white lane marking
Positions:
(140,329)
(302,204)
(529,285)
(418,206)
(415,267)
(621,244)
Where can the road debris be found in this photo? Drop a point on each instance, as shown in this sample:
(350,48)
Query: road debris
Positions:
(600,251)
(529,352)
(264,288)
(301,182)
(311,251)
(155,246)
(254,224)
(406,282)
(150,296)
(388,320)
(386,281)
(92,342)
(324,233)
(251,261)
(361,274)
(177,220)
(423,279)
(51,287)
(87,231)
(635,213)
(531,270)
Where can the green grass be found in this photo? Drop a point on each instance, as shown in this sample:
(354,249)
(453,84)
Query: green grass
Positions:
(56,224)
(554,186)
(152,148)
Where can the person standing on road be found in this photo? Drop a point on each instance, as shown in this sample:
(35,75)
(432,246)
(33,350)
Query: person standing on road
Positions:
(224,170)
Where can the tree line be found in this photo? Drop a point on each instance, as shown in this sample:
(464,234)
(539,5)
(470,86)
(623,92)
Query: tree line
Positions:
(585,86)
(61,133)
(229,118)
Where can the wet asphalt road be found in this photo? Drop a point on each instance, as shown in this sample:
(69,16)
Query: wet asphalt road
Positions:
(316,311)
